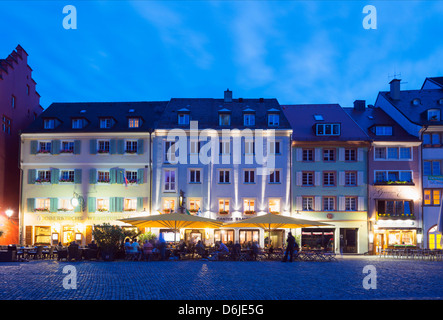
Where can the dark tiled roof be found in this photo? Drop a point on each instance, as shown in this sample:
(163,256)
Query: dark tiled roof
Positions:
(149,112)
(206,112)
(301,118)
(417,113)
(371,117)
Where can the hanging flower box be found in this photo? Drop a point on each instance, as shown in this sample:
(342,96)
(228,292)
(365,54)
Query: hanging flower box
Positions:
(223,212)
(275,212)
(43,180)
(167,210)
(41,210)
(67,151)
(193,210)
(43,151)
(103,180)
(131,151)
(102,151)
(249,212)
(129,210)
(66,180)
(102,210)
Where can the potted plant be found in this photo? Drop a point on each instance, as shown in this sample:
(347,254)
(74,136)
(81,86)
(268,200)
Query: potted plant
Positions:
(109,239)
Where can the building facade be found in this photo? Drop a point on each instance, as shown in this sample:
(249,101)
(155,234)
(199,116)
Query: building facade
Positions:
(19,106)
(85,164)
(419,113)
(394,180)
(329,177)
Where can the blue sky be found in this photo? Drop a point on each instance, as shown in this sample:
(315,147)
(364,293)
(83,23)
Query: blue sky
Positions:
(295,51)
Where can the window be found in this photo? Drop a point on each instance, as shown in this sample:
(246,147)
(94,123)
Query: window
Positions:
(223,176)
(223,206)
(248,236)
(131,176)
(194,205)
(42,204)
(65,205)
(194,175)
(393,153)
(77,123)
(224,119)
(169,180)
(102,204)
(328,154)
(383,130)
(350,203)
(43,176)
(405,153)
(249,176)
(431,168)
(433,115)
(44,147)
(308,155)
(431,139)
(103,176)
(49,123)
(183,118)
(308,203)
(328,203)
(67,176)
(327,129)
(273,120)
(168,205)
(350,155)
(194,147)
(274,177)
(169,151)
(274,206)
(318,117)
(395,208)
(133,122)
(225,147)
(131,146)
(6,125)
(13,101)
(105,123)
(249,147)
(103,146)
(350,178)
(432,197)
(274,147)
(67,147)
(380,153)
(249,119)
(130,204)
(328,179)
(308,178)
(393,177)
(249,206)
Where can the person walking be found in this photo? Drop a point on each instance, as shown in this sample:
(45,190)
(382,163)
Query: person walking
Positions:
(291,244)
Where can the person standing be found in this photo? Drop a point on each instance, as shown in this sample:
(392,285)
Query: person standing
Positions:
(291,244)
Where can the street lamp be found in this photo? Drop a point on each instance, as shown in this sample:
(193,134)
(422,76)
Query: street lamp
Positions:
(9,213)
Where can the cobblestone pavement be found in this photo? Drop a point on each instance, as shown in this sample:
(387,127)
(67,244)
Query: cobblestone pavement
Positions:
(189,280)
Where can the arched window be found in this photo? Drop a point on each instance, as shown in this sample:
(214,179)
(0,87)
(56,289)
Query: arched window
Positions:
(434,238)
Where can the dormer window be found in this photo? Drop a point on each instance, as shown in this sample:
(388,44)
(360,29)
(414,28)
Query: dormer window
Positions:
(49,123)
(133,122)
(433,115)
(382,130)
(318,117)
(183,118)
(273,120)
(249,119)
(224,119)
(105,123)
(327,129)
(77,123)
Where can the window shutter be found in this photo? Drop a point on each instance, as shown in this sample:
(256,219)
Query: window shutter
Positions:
(31,176)
(112,204)
(317,204)
(120,146)
(360,154)
(140,178)
(299,154)
(299,178)
(34,144)
(341,178)
(55,146)
(360,178)
(112,146)
(318,156)
(140,146)
(53,204)
(140,206)
(93,146)
(55,175)
(361,203)
(77,176)
(113,175)
(317,181)
(299,203)
(31,204)
(341,204)
(28,236)
(92,204)
(92,176)
(77,146)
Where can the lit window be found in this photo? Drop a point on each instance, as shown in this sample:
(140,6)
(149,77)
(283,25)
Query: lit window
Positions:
(168,205)
(169,180)
(249,206)
(130,204)
(194,205)
(274,206)
(133,122)
(42,204)
(102,205)
(223,206)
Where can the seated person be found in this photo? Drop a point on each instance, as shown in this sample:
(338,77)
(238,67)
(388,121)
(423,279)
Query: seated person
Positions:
(200,247)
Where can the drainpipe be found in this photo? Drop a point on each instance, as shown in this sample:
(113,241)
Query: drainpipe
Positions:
(150,172)
(421,132)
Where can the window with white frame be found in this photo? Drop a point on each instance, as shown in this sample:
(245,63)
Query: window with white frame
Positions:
(329,178)
(249,176)
(102,204)
(328,203)
(183,118)
(350,154)
(103,146)
(67,147)
(308,155)
(308,178)
(249,119)
(194,147)
(402,176)
(225,147)
(350,203)
(65,205)
(308,203)
(130,204)
(273,120)
(194,205)
(327,129)
(274,205)
(131,146)
(168,205)
(249,147)
(169,184)
(66,175)
(249,206)
(223,206)
(274,147)
(393,153)
(43,175)
(195,175)
(169,151)
(44,147)
(274,176)
(131,176)
(350,178)
(432,167)
(42,204)
(224,176)
(382,130)
(328,154)
(103,176)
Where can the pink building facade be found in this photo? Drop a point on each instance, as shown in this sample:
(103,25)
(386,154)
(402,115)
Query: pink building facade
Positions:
(19,106)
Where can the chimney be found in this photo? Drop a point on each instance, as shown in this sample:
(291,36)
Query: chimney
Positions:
(228,96)
(395,89)
(359,105)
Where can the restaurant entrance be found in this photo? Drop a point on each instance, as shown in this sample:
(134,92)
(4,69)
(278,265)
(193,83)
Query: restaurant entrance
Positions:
(348,240)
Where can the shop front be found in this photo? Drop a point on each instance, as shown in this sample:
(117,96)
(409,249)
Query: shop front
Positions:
(392,234)
(318,238)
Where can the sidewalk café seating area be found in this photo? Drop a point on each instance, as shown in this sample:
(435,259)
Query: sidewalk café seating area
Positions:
(412,253)
(40,252)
